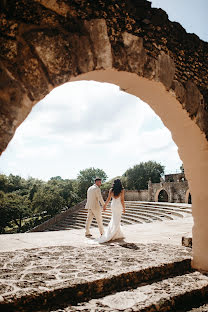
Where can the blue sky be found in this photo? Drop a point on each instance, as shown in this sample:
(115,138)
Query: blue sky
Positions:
(90,124)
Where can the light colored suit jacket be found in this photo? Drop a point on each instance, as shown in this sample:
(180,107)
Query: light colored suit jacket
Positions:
(94,198)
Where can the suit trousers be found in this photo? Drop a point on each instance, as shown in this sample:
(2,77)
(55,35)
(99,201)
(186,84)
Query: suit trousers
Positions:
(98,216)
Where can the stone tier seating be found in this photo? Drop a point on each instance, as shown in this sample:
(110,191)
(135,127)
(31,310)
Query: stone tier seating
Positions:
(136,212)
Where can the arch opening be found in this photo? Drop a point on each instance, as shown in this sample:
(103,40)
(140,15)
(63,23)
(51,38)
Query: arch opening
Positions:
(163,196)
(191,142)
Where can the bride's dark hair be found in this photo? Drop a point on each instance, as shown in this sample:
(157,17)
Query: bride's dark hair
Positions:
(117,187)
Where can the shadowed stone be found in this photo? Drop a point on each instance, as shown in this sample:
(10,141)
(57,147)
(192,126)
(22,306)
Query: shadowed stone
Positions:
(193,98)
(136,55)
(14,105)
(85,61)
(165,70)
(178,90)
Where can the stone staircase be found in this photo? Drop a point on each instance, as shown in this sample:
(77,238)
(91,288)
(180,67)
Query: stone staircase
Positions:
(112,277)
(136,212)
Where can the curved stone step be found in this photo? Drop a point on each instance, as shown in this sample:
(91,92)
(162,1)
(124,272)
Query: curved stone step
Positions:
(168,208)
(156,212)
(136,212)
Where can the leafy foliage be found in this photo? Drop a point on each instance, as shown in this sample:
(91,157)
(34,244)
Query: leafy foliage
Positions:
(24,203)
(137,178)
(86,178)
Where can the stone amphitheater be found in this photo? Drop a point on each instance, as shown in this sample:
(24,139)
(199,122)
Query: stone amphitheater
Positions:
(136,212)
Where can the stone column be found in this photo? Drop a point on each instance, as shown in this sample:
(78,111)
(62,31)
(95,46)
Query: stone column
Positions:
(171,190)
(149,190)
(200,228)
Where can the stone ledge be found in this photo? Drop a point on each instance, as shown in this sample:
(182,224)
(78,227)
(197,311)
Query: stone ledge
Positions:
(46,277)
(172,294)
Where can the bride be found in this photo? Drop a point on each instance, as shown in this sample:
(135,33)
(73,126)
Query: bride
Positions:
(113,230)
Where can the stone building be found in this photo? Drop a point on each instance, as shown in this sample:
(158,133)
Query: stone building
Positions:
(173,189)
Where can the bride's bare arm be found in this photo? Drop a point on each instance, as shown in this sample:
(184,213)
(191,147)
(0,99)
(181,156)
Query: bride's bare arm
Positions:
(108,199)
(122,201)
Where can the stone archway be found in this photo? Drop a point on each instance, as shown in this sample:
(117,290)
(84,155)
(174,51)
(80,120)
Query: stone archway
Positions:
(163,196)
(46,43)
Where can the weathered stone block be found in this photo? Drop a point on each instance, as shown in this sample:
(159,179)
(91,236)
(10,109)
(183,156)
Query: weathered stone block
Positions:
(193,98)
(136,55)
(178,90)
(53,49)
(84,56)
(149,70)
(97,29)
(187,241)
(202,119)
(165,70)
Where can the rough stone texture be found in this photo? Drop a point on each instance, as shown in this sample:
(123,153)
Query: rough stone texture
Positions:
(165,70)
(187,241)
(45,43)
(203,308)
(176,191)
(166,295)
(193,98)
(101,45)
(135,53)
(46,276)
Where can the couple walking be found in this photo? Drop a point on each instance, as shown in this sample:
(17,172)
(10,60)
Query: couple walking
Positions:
(94,202)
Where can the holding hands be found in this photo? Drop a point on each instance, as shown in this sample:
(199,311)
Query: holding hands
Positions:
(104,207)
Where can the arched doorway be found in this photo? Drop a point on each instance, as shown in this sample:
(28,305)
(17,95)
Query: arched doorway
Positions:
(163,196)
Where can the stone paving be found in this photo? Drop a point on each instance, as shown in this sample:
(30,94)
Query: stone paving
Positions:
(158,296)
(42,270)
(26,274)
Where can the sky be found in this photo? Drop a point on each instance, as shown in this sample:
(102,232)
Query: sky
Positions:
(89,124)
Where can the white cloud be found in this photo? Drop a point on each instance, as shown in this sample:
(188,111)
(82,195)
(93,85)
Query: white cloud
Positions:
(84,124)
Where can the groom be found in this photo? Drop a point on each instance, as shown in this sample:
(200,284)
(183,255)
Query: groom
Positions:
(94,199)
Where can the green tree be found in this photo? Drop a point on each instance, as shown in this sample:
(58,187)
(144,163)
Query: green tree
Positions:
(3,183)
(86,178)
(5,218)
(137,178)
(108,184)
(14,208)
(49,201)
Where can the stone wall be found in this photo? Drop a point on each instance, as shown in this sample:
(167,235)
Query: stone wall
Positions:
(45,43)
(176,191)
(141,195)
(176,177)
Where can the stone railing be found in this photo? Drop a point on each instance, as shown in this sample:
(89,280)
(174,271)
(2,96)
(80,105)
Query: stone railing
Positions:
(58,217)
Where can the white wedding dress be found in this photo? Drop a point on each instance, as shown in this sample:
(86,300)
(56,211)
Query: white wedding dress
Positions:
(113,231)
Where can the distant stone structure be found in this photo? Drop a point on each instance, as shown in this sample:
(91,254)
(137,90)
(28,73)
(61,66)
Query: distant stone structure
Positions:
(173,189)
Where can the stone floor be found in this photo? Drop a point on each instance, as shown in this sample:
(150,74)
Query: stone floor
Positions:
(166,232)
(44,265)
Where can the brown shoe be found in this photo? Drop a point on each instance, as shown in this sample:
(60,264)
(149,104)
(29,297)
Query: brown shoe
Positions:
(88,235)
